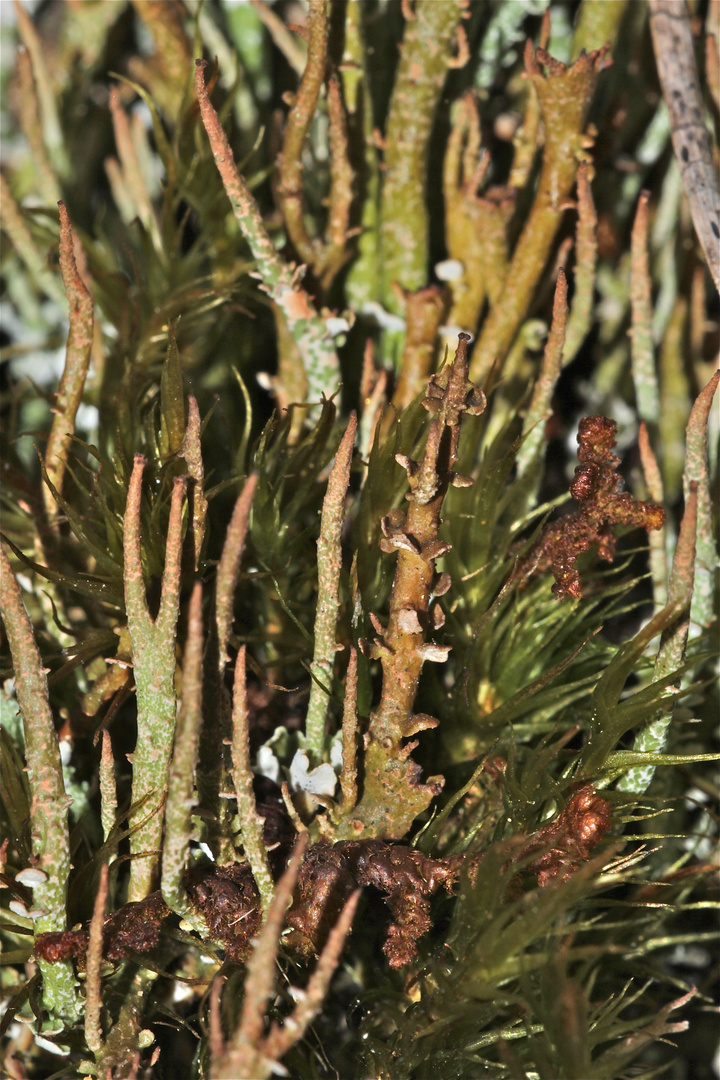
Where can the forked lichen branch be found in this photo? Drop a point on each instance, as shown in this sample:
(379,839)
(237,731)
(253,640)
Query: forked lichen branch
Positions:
(392,793)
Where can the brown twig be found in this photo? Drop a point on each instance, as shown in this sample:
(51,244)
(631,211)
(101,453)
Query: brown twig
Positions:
(675,58)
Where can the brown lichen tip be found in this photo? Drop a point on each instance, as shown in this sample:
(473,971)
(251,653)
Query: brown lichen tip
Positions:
(596,486)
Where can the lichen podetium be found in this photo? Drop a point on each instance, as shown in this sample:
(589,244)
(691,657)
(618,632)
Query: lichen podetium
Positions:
(359,574)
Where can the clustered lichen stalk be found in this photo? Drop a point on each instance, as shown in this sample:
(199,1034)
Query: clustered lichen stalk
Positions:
(153,650)
(475,225)
(565,94)
(49,806)
(392,794)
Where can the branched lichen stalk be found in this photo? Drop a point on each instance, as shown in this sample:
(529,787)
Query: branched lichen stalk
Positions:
(77,362)
(565,94)
(475,225)
(251,824)
(392,794)
(49,806)
(153,649)
(309,331)
(282,1036)
(329,563)
(426,52)
(248,1054)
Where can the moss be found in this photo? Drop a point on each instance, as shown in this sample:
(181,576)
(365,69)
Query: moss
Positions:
(293,593)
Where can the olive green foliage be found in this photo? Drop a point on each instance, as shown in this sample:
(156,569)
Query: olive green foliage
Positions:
(160,590)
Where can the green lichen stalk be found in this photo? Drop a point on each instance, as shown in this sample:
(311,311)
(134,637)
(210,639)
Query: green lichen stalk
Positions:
(359,570)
